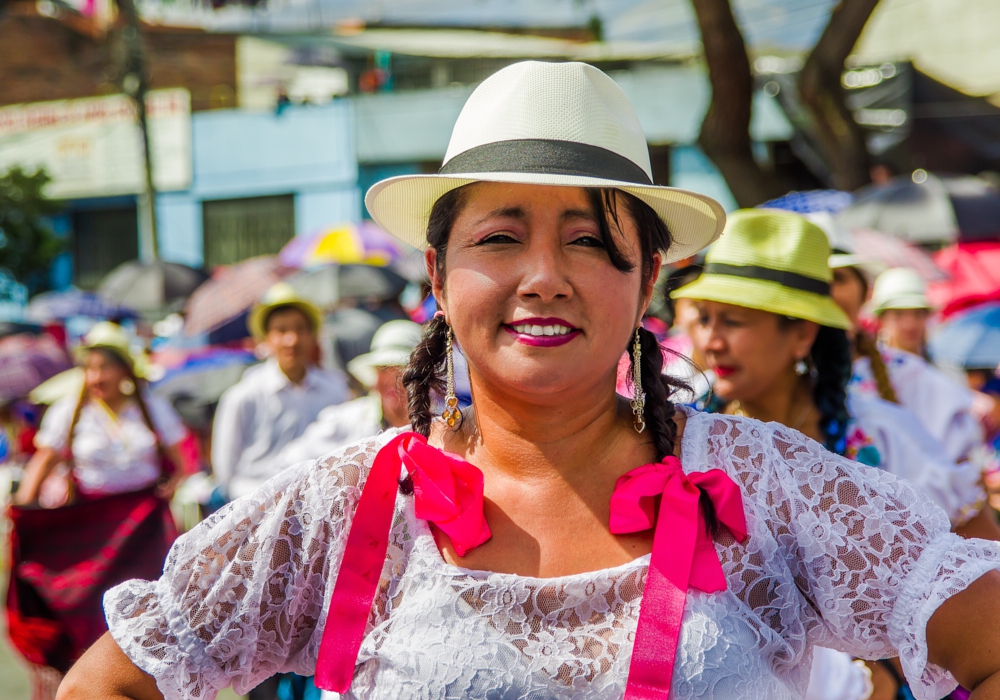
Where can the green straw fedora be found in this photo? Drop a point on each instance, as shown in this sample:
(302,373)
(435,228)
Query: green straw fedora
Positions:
(774,261)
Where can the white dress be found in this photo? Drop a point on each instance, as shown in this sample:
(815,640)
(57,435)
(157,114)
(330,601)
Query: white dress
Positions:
(838,555)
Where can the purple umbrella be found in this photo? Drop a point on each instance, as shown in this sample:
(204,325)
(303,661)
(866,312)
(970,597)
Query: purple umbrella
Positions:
(59,306)
(26,361)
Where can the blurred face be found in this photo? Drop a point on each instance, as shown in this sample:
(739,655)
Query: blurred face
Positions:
(531,294)
(751,351)
(291,339)
(103,376)
(394,400)
(849,291)
(905,329)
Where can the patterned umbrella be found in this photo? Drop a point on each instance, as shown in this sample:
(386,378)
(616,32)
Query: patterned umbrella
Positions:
(343,244)
(231,291)
(59,306)
(26,361)
(811,202)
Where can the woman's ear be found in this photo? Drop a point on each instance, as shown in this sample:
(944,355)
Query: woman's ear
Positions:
(437,280)
(805,337)
(649,287)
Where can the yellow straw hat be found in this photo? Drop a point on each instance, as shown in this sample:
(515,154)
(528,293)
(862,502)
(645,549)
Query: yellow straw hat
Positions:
(110,336)
(774,261)
(278,296)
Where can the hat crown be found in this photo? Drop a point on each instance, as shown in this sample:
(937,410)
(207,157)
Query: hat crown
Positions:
(396,335)
(533,100)
(776,240)
(899,280)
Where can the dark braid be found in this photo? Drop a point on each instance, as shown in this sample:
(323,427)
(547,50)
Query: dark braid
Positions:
(659,411)
(831,358)
(423,375)
(866,346)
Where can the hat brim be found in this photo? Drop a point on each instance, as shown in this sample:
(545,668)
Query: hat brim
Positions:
(365,367)
(124,355)
(766,296)
(258,316)
(402,205)
(902,303)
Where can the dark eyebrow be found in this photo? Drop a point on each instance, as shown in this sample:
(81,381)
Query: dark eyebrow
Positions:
(505,212)
(571,214)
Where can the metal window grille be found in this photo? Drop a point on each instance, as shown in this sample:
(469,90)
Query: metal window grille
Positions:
(237,229)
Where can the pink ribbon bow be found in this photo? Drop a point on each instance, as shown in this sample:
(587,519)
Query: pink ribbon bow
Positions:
(683,556)
(448,492)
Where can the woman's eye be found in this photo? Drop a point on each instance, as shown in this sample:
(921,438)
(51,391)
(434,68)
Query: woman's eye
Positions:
(588,242)
(495,238)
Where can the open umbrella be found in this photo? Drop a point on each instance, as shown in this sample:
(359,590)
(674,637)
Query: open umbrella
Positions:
(326,286)
(151,286)
(204,376)
(26,361)
(811,202)
(886,250)
(971,340)
(926,208)
(364,242)
(974,276)
(230,292)
(59,306)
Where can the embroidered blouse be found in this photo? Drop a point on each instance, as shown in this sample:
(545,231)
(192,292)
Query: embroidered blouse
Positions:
(838,555)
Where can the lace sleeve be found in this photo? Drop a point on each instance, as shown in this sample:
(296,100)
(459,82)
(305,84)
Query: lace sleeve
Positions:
(242,594)
(873,556)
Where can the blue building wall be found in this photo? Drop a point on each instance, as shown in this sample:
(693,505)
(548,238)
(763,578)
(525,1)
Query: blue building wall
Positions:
(308,151)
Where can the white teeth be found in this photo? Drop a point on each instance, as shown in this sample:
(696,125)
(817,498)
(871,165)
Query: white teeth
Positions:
(528,329)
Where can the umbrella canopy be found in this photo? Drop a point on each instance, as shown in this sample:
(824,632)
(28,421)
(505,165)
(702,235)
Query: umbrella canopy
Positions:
(203,377)
(151,286)
(328,285)
(344,244)
(974,272)
(925,208)
(59,306)
(231,291)
(886,250)
(26,361)
(971,340)
(811,202)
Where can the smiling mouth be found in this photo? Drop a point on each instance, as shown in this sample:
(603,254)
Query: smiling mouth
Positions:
(541,331)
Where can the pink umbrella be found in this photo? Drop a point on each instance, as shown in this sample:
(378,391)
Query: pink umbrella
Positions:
(231,291)
(974,269)
(887,250)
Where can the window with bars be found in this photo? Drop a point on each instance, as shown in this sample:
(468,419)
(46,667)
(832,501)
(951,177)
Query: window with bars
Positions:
(237,229)
(103,239)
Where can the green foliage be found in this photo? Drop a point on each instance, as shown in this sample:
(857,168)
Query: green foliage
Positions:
(27,241)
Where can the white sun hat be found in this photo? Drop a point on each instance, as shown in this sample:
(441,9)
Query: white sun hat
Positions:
(392,345)
(547,124)
(899,288)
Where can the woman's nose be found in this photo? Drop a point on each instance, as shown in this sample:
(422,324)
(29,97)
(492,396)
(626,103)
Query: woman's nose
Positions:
(544,275)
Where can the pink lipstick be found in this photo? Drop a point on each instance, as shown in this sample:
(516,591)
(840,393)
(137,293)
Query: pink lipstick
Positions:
(542,332)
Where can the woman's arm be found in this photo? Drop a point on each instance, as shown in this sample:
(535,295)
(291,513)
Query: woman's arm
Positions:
(169,487)
(963,635)
(105,672)
(982,525)
(39,468)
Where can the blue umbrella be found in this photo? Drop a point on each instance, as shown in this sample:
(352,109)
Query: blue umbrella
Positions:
(811,202)
(970,340)
(59,306)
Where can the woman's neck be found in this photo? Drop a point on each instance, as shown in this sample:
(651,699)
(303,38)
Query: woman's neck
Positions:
(565,437)
(115,403)
(788,402)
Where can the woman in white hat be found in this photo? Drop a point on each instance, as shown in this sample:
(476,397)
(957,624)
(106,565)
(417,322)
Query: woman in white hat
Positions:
(525,553)
(120,444)
(899,302)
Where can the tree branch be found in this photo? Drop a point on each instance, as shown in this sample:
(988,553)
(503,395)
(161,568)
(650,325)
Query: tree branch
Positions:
(725,130)
(839,137)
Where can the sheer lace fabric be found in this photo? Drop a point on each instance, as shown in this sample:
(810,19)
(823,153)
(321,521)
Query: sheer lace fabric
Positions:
(839,555)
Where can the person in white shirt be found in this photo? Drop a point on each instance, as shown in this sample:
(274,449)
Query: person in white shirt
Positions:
(274,402)
(385,407)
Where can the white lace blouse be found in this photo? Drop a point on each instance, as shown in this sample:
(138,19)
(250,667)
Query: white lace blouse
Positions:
(839,555)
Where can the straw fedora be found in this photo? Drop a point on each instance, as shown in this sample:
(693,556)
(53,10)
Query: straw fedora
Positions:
(899,288)
(547,124)
(110,336)
(392,345)
(281,295)
(773,261)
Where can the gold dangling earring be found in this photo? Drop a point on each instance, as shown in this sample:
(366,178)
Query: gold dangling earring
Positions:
(451,412)
(638,395)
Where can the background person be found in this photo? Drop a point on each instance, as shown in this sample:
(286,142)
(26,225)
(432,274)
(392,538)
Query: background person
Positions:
(381,371)
(899,302)
(115,436)
(275,402)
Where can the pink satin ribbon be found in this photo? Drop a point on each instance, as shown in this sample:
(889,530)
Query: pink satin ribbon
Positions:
(683,557)
(448,492)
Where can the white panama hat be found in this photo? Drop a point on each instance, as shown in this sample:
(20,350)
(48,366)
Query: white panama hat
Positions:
(392,345)
(899,288)
(547,124)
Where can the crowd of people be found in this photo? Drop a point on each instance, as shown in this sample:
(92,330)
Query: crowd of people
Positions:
(730,474)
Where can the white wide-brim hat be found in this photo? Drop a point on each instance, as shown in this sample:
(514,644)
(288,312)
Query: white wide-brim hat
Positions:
(392,345)
(539,123)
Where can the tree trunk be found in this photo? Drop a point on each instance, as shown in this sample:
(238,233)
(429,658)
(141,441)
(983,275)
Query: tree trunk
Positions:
(725,131)
(839,137)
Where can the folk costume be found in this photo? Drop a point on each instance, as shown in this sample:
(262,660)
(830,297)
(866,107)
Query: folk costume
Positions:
(329,568)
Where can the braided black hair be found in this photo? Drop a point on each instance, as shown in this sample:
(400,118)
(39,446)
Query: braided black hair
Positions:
(427,363)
